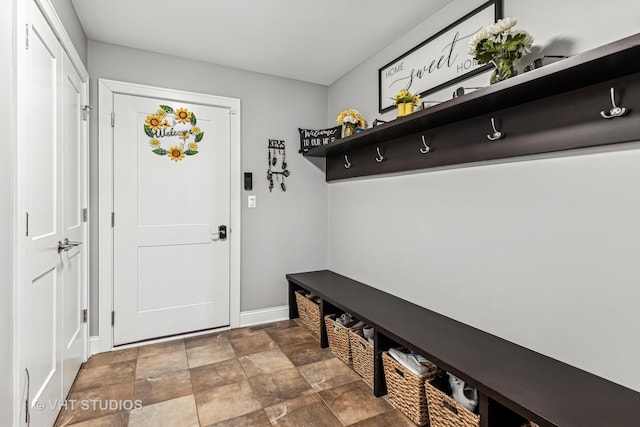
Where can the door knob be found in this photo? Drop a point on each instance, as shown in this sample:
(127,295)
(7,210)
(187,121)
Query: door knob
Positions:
(221,233)
(68,244)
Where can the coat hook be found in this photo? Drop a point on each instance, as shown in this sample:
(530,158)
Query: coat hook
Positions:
(426,148)
(347,165)
(496,133)
(615,110)
(380,157)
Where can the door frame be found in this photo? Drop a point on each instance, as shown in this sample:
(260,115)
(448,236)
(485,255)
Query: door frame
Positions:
(106,91)
(20,174)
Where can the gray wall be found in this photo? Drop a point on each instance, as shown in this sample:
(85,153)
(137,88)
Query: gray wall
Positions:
(287,231)
(541,251)
(69,18)
(6,216)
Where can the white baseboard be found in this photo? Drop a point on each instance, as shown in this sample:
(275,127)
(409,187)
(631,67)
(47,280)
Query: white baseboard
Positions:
(265,315)
(94,345)
(247,318)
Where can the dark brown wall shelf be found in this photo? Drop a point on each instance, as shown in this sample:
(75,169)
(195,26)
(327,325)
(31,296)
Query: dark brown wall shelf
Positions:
(540,388)
(553,108)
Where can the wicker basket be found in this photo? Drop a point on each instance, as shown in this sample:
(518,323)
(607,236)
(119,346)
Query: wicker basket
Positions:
(362,357)
(446,412)
(338,337)
(406,390)
(309,313)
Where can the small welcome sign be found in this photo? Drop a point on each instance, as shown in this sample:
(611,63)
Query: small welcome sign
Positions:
(438,62)
(310,138)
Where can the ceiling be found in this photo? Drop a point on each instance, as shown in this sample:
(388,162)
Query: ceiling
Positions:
(315,41)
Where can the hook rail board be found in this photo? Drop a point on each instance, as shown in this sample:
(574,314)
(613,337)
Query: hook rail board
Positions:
(588,100)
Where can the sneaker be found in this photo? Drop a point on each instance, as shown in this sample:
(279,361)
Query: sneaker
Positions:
(463,394)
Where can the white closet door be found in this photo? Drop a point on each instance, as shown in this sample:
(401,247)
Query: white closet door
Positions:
(43,181)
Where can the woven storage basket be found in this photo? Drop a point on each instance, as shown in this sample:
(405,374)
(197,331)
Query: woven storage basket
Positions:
(446,412)
(309,313)
(406,390)
(361,357)
(338,337)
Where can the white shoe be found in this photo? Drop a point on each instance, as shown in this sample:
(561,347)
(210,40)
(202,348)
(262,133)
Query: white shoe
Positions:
(463,394)
(408,361)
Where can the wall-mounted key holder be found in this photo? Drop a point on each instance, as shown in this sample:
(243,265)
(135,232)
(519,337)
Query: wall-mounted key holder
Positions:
(277,164)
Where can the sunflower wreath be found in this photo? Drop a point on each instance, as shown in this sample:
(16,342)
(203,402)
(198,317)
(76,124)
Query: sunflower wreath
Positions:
(167,122)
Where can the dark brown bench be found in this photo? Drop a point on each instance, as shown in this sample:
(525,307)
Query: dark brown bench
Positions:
(539,388)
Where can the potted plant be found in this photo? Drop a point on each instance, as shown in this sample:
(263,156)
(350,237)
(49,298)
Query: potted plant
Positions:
(351,119)
(406,102)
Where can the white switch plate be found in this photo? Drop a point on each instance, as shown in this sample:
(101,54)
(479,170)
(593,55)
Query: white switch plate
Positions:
(251,201)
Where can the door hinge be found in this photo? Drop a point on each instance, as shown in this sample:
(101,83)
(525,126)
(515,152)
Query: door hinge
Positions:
(26,42)
(86,109)
(233,112)
(113,219)
(85,314)
(113,318)
(85,214)
(113,119)
(27,224)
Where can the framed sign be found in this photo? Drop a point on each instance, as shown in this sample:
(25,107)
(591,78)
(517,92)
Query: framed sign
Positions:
(310,138)
(440,61)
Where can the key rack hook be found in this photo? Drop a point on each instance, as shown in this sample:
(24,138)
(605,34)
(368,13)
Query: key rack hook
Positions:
(615,111)
(426,148)
(496,133)
(380,157)
(347,165)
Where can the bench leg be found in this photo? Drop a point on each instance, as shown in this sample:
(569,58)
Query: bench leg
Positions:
(293,305)
(325,309)
(380,344)
(484,410)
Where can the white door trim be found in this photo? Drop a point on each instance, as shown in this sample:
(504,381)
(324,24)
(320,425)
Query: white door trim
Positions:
(106,90)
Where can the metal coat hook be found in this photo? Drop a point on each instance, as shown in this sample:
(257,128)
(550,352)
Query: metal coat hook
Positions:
(426,148)
(496,133)
(615,110)
(380,156)
(347,165)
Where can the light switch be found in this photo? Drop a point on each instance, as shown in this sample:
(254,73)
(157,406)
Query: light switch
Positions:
(251,201)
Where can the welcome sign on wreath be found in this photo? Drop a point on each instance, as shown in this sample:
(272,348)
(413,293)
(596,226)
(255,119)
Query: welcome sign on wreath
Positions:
(438,62)
(169,123)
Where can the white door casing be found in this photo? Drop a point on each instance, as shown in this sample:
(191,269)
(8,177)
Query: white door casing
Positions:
(155,234)
(171,273)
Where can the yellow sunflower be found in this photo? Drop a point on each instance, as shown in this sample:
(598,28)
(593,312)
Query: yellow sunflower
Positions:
(153,121)
(161,113)
(193,146)
(183,115)
(155,143)
(165,124)
(176,153)
(195,130)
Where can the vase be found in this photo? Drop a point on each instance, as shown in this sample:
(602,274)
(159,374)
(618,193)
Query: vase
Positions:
(409,107)
(405,108)
(504,69)
(349,129)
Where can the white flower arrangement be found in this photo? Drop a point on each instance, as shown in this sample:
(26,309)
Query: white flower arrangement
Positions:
(500,45)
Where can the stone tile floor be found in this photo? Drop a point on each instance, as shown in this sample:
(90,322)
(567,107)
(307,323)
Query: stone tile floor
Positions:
(268,375)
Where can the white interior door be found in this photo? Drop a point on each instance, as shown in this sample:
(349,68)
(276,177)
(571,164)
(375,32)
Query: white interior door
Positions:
(42,188)
(73,331)
(171,193)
